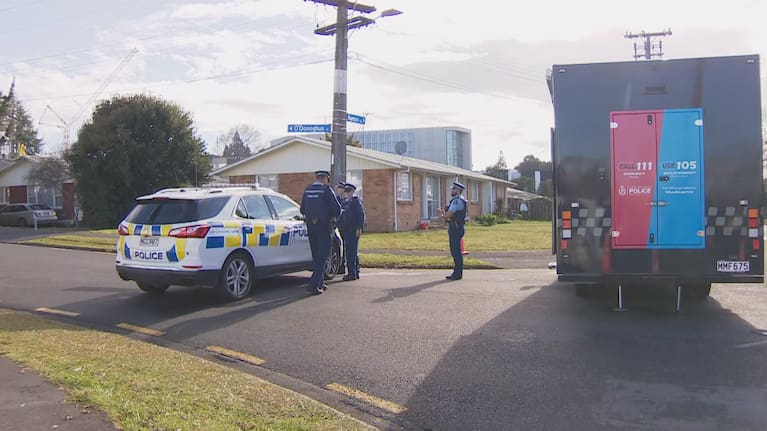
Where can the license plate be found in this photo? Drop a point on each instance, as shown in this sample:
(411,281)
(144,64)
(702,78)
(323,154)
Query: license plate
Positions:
(150,241)
(733,266)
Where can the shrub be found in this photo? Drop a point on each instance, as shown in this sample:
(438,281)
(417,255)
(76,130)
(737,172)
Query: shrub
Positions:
(487,219)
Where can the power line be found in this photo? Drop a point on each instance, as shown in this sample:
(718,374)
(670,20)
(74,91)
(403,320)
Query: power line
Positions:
(414,75)
(19,6)
(188,81)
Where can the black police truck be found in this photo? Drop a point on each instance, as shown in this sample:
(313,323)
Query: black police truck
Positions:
(658,172)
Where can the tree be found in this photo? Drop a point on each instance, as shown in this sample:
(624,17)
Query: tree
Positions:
(239,142)
(49,174)
(525,183)
(133,145)
(16,127)
(530,164)
(546,188)
(500,169)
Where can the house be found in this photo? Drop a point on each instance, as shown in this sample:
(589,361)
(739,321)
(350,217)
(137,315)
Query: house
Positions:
(15,187)
(399,193)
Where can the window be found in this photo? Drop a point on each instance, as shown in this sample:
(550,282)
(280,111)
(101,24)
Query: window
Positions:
(5,195)
(267,181)
(58,196)
(355,177)
(474,191)
(241,210)
(286,210)
(34,194)
(404,187)
(257,208)
(431,197)
(170,211)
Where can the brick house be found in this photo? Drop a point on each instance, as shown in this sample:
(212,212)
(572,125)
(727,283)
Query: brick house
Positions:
(15,187)
(399,193)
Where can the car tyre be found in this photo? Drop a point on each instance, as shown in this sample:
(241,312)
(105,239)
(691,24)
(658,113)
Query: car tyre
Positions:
(22,223)
(237,277)
(333,264)
(152,289)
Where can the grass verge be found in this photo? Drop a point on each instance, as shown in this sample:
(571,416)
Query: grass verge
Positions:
(77,241)
(376,260)
(142,386)
(517,235)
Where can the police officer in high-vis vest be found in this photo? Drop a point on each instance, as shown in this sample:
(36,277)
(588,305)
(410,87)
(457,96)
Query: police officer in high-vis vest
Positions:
(321,208)
(455,214)
(352,221)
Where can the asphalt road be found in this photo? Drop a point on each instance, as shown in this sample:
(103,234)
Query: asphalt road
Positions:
(503,349)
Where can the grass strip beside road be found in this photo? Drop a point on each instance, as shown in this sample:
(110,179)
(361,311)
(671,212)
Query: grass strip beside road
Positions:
(517,235)
(77,241)
(392,261)
(142,386)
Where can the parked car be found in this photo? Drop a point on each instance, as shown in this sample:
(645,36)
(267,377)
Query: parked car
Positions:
(25,215)
(225,238)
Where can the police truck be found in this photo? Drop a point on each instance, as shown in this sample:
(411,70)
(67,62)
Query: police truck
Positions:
(658,173)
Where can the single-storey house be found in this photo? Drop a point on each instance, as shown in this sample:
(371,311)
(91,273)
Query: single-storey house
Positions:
(16,187)
(399,193)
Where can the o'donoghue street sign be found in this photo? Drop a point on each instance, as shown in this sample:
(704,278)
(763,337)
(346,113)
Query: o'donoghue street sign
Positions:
(308,128)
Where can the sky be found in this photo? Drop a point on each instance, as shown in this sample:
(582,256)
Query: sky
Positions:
(474,64)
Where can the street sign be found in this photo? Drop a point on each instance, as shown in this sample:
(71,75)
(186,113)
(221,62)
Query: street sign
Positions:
(359,119)
(308,128)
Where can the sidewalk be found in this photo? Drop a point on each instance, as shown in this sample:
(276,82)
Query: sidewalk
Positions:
(516,259)
(29,403)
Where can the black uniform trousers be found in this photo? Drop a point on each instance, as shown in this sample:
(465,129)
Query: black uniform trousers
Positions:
(320,242)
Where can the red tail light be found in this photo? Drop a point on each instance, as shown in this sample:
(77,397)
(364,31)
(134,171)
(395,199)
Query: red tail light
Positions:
(198,231)
(123,230)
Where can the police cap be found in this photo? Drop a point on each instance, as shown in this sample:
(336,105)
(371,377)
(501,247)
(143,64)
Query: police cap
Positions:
(322,173)
(349,187)
(457,185)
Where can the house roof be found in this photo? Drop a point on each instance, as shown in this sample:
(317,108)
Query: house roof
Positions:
(15,162)
(392,160)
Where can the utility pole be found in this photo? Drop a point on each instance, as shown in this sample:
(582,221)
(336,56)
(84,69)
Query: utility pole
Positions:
(341,30)
(650,49)
(338,150)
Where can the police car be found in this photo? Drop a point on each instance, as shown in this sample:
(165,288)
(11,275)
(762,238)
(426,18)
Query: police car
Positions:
(221,237)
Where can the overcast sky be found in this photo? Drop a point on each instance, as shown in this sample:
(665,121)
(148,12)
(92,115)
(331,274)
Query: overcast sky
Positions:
(474,64)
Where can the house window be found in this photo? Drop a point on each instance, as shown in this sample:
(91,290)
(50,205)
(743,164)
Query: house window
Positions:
(474,192)
(355,177)
(5,195)
(431,197)
(267,181)
(58,196)
(34,194)
(404,187)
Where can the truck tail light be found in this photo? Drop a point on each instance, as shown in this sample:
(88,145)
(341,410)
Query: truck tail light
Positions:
(756,244)
(564,244)
(197,231)
(123,230)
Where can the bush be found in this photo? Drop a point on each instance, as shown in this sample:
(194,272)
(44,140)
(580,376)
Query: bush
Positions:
(487,219)
(503,220)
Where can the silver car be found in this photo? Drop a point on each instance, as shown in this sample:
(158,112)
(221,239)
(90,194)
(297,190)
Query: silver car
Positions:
(26,214)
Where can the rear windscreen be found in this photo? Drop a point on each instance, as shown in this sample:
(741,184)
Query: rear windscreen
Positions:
(39,207)
(172,211)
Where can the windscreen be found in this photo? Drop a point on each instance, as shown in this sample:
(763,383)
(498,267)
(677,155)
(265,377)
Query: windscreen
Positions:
(172,211)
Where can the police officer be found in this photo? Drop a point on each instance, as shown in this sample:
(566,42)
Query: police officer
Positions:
(321,208)
(352,221)
(455,214)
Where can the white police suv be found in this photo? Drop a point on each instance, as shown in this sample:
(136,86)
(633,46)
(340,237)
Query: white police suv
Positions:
(224,237)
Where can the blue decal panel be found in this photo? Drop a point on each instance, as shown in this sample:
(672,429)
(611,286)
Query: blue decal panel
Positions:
(680,191)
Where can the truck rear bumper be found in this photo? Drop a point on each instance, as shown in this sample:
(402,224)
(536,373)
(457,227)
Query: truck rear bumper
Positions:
(628,278)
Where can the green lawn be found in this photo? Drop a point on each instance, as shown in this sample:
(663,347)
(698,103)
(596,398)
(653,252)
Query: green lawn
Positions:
(142,386)
(517,235)
(378,260)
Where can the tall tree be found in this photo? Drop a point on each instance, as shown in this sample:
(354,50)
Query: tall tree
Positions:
(500,169)
(239,142)
(530,164)
(17,131)
(133,145)
(527,168)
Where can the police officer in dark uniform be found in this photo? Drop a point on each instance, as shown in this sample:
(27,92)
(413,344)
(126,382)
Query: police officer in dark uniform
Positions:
(455,214)
(352,221)
(321,208)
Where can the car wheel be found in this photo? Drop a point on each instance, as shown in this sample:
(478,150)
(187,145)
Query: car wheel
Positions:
(153,289)
(333,263)
(236,278)
(22,223)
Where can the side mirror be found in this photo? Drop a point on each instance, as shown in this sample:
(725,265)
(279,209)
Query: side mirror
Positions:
(299,217)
